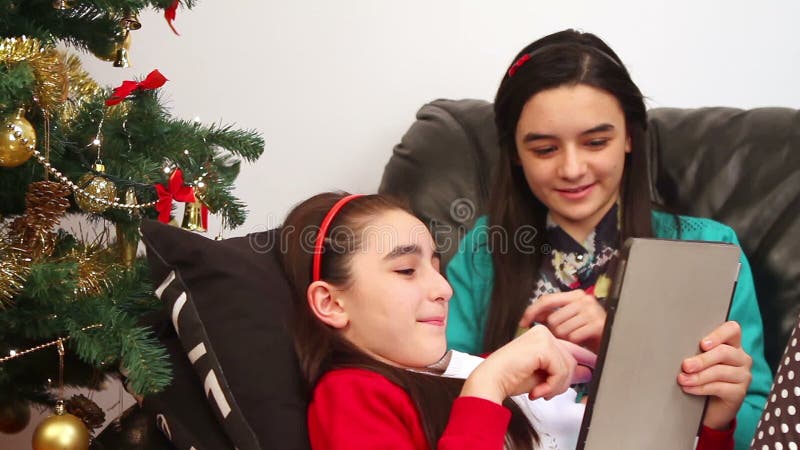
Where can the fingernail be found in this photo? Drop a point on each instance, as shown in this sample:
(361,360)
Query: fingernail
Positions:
(690,366)
(707,343)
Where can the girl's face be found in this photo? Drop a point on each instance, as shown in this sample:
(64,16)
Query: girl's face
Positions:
(396,303)
(571,143)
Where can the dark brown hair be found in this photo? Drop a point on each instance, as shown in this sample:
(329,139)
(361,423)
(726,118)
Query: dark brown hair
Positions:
(321,348)
(565,58)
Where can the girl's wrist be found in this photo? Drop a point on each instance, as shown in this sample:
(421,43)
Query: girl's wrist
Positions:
(717,420)
(480,385)
(719,425)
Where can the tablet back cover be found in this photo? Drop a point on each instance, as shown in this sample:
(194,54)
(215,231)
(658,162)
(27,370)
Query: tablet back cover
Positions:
(668,295)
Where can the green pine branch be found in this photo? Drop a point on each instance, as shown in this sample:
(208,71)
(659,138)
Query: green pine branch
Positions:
(138,138)
(16,86)
(94,26)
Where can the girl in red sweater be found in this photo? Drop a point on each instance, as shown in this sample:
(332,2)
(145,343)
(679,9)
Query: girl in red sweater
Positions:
(370,316)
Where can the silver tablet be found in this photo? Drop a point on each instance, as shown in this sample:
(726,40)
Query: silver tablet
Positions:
(666,297)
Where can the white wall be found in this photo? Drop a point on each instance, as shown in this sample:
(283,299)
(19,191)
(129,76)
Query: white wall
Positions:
(333,85)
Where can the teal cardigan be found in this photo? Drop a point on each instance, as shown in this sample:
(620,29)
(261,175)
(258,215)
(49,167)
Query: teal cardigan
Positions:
(471,273)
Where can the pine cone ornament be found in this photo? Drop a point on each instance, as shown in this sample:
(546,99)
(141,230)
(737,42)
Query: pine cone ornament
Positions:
(86,410)
(45,204)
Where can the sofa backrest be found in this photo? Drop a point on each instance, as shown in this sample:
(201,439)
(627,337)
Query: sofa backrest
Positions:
(740,167)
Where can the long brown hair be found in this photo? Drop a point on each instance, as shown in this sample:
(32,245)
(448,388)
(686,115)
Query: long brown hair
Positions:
(565,58)
(321,348)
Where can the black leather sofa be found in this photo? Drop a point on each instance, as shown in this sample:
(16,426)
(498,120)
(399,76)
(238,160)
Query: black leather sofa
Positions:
(741,167)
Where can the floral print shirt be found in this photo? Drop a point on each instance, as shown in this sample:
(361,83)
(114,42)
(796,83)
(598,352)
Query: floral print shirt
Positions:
(573,265)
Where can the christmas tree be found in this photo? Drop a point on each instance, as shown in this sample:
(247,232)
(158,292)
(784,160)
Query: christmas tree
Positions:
(68,145)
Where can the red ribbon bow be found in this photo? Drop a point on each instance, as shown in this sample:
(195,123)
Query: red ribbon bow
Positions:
(170,14)
(176,190)
(518,63)
(153,81)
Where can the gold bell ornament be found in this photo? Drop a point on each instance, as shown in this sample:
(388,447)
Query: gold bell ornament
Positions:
(129,22)
(17,137)
(194,216)
(121,57)
(61,431)
(94,186)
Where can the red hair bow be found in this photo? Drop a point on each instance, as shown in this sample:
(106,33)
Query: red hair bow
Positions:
(518,63)
(153,81)
(176,190)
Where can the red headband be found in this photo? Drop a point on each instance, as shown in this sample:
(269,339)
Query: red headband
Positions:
(518,63)
(323,231)
(528,56)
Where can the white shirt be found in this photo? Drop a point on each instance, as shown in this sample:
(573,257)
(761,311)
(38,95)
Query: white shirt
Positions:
(557,421)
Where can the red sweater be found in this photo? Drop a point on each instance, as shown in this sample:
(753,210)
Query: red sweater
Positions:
(356,409)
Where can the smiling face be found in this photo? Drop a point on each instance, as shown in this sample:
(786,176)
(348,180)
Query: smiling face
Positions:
(571,143)
(396,302)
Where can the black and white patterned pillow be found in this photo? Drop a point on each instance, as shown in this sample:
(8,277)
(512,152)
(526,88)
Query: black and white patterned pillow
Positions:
(181,411)
(229,302)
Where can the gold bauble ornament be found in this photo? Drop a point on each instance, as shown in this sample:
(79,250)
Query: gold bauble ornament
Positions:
(16,135)
(61,431)
(97,186)
(14,417)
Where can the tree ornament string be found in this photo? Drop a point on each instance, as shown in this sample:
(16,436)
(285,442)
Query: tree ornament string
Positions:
(75,188)
(62,431)
(46,142)
(60,347)
(61,340)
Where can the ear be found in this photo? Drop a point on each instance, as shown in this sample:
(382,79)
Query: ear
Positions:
(628,144)
(328,308)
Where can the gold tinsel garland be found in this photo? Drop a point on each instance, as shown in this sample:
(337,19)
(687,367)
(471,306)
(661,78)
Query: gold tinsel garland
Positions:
(14,266)
(81,87)
(48,68)
(95,264)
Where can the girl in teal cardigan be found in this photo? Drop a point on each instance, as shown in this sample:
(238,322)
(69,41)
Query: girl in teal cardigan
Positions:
(572,183)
